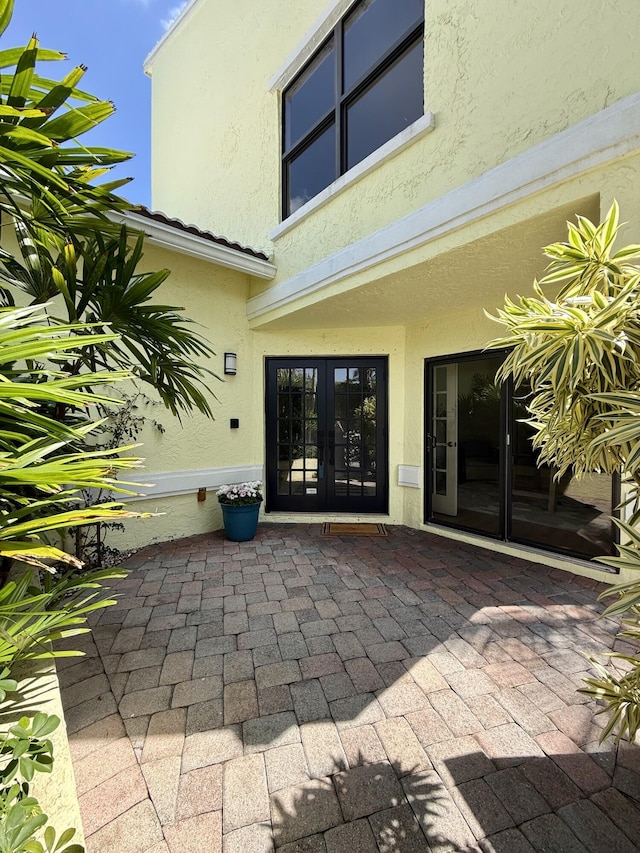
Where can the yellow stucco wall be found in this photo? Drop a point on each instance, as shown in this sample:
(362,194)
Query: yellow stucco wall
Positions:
(491,100)
(214,298)
(440,298)
(199,444)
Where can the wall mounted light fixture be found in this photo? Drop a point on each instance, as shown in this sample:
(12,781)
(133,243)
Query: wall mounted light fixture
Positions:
(230,363)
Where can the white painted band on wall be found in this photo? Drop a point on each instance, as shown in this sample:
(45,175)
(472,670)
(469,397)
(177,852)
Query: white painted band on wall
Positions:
(409,475)
(599,139)
(168,484)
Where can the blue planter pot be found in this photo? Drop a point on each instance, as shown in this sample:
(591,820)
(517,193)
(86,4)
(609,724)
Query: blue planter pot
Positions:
(240,522)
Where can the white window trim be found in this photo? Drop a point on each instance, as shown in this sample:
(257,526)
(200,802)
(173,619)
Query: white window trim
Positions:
(599,139)
(393,146)
(311,41)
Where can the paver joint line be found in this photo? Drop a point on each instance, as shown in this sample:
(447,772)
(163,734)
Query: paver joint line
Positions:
(325,696)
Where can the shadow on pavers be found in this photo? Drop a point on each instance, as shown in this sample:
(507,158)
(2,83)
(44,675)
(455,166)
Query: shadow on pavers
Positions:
(375,806)
(468,803)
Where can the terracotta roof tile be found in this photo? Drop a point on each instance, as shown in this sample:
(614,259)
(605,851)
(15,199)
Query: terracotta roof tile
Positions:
(178,224)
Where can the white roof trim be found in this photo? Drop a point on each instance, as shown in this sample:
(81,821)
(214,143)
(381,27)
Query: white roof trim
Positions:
(179,21)
(609,134)
(168,237)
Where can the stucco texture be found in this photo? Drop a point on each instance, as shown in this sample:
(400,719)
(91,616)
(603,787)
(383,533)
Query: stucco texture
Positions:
(495,92)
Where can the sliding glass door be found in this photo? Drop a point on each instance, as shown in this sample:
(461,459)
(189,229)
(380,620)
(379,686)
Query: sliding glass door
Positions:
(482,471)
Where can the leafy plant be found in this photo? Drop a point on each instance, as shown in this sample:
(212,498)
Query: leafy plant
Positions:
(98,278)
(122,425)
(580,354)
(43,465)
(25,750)
(41,160)
(33,616)
(70,242)
(43,468)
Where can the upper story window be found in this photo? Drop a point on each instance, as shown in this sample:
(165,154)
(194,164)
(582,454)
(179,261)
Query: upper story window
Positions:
(362,87)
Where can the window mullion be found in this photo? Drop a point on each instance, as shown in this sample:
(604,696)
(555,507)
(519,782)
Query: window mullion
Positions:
(340,142)
(302,143)
(394,52)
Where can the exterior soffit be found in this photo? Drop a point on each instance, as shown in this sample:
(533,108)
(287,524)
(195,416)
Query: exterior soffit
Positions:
(612,133)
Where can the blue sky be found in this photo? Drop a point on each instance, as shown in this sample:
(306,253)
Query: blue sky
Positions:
(111,37)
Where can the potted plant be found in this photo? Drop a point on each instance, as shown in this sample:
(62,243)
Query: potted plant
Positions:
(240,504)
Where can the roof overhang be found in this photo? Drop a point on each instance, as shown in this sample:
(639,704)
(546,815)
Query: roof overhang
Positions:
(599,139)
(177,23)
(168,237)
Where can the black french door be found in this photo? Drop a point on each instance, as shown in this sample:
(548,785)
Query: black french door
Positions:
(326,434)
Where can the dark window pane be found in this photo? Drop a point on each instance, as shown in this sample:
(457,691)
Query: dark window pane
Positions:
(312,170)
(311,375)
(310,97)
(341,481)
(295,381)
(393,102)
(355,378)
(370,381)
(371,29)
(369,408)
(567,514)
(284,431)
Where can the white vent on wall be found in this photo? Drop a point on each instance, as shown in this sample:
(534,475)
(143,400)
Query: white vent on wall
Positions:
(409,475)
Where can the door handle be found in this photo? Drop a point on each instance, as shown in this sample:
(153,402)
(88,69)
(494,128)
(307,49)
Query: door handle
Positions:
(451,444)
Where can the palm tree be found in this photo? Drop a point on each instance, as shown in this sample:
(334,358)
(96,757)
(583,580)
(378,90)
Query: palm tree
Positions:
(68,245)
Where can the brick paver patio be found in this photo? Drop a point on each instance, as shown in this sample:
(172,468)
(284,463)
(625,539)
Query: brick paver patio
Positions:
(327,695)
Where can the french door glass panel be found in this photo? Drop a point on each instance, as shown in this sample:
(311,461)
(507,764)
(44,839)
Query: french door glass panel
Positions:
(297,430)
(484,475)
(355,409)
(465,445)
(445,439)
(326,434)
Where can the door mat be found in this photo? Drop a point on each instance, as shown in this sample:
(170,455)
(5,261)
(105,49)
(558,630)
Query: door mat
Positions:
(331,528)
